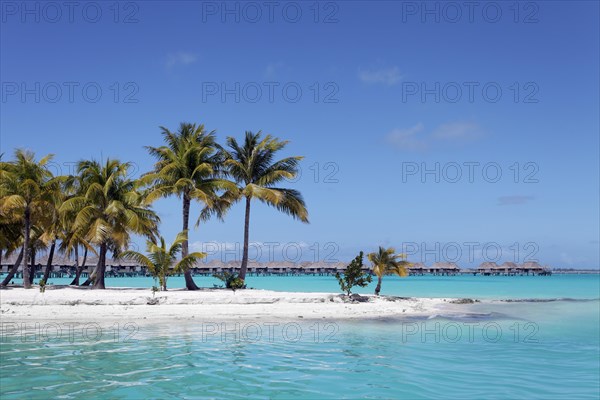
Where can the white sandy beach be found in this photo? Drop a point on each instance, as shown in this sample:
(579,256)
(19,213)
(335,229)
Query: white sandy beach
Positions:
(77,304)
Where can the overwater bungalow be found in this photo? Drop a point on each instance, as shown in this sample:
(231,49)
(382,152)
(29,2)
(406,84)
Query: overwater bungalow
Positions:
(65,267)
(61,266)
(533,268)
(416,268)
(444,268)
(507,268)
(487,268)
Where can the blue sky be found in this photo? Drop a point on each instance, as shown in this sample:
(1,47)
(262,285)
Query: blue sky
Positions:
(388,90)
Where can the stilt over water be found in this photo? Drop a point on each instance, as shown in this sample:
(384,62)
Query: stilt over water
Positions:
(65,268)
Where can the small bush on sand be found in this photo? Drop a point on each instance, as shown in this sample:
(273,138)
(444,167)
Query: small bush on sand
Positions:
(232,281)
(353,275)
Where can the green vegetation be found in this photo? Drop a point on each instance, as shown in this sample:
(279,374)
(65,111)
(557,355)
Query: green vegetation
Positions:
(42,285)
(387,262)
(162,261)
(353,275)
(253,168)
(109,210)
(101,207)
(188,166)
(232,281)
(26,188)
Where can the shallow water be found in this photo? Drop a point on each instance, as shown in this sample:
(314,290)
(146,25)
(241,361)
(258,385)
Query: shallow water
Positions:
(495,287)
(497,350)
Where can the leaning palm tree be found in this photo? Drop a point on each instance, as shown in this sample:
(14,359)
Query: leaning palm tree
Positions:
(385,262)
(11,240)
(72,239)
(26,187)
(253,167)
(52,225)
(37,245)
(11,232)
(188,167)
(110,210)
(162,261)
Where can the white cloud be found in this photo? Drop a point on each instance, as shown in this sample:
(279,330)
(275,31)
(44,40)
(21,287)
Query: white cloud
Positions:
(180,58)
(417,138)
(408,139)
(457,131)
(388,76)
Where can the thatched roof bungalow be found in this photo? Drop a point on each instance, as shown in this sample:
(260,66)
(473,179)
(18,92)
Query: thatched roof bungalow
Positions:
(487,267)
(531,266)
(507,268)
(416,268)
(444,268)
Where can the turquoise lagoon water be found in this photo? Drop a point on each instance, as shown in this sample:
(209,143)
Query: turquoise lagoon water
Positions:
(498,350)
(585,286)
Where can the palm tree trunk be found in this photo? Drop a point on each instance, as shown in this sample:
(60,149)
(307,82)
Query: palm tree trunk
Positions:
(378,288)
(32,267)
(99,280)
(49,263)
(244,266)
(14,269)
(90,278)
(26,282)
(189,281)
(78,268)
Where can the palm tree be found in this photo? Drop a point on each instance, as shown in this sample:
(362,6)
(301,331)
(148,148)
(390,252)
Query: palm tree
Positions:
(11,231)
(70,243)
(162,261)
(72,239)
(386,261)
(11,240)
(188,166)
(52,225)
(36,245)
(253,167)
(26,187)
(110,210)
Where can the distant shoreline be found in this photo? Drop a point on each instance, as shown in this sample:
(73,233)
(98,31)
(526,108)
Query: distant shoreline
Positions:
(143,274)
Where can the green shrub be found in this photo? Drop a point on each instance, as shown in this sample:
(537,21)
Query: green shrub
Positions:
(232,281)
(42,286)
(353,275)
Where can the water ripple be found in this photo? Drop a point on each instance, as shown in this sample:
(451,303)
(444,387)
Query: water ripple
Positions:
(367,359)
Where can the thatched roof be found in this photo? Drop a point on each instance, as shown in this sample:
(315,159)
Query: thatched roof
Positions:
(444,265)
(59,260)
(418,265)
(531,265)
(508,265)
(121,262)
(488,265)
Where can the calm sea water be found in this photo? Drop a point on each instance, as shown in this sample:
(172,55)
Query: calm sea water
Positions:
(543,350)
(495,287)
